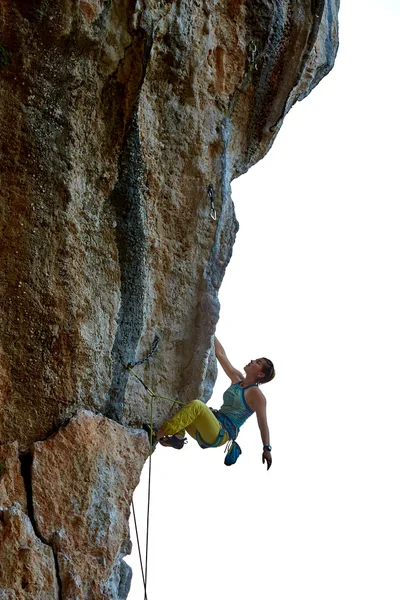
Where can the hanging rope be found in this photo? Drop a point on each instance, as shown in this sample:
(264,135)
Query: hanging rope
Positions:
(154,347)
(174,401)
(140,554)
(145,570)
(148,501)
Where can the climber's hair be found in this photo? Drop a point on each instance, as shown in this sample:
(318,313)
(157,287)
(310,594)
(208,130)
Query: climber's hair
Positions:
(268,370)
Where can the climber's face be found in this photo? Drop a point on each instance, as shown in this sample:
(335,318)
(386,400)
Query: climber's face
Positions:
(255,368)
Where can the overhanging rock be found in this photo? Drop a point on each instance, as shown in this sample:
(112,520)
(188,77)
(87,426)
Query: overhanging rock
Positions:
(120,122)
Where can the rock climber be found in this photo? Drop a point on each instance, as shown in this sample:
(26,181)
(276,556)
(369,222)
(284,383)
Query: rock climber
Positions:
(215,428)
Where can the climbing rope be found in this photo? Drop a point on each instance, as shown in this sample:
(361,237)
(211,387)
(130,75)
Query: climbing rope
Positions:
(140,554)
(148,501)
(144,571)
(153,395)
(154,347)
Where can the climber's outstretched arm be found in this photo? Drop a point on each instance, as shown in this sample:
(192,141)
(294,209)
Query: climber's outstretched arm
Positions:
(233,374)
(258,402)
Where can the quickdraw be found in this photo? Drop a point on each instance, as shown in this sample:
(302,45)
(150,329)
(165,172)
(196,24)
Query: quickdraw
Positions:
(154,347)
(213,212)
(252,59)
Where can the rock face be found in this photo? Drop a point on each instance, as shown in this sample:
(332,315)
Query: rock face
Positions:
(81,492)
(69,533)
(27,567)
(122,125)
(12,487)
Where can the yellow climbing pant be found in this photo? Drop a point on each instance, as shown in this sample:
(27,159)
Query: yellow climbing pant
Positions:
(195,416)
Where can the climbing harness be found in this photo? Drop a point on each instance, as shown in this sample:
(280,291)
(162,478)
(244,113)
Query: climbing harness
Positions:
(215,444)
(213,212)
(231,429)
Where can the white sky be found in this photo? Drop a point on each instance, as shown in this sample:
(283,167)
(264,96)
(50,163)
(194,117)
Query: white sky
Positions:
(313,285)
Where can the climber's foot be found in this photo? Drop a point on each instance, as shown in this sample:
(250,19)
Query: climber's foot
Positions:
(173,441)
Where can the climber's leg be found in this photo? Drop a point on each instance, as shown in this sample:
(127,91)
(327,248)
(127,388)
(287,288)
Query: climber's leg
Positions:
(195,416)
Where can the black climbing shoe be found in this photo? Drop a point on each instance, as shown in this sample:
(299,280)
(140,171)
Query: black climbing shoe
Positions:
(173,441)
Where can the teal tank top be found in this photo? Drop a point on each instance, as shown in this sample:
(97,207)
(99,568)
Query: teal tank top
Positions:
(235,406)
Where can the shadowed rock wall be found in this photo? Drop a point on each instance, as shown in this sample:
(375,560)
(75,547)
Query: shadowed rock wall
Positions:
(115,120)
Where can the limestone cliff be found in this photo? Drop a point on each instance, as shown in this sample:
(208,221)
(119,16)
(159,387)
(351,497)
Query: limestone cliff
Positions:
(120,123)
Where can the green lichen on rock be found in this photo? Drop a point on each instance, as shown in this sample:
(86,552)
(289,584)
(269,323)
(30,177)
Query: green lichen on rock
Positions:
(4,59)
(2,468)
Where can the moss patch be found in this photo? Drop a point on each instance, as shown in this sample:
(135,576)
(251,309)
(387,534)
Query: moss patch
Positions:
(2,468)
